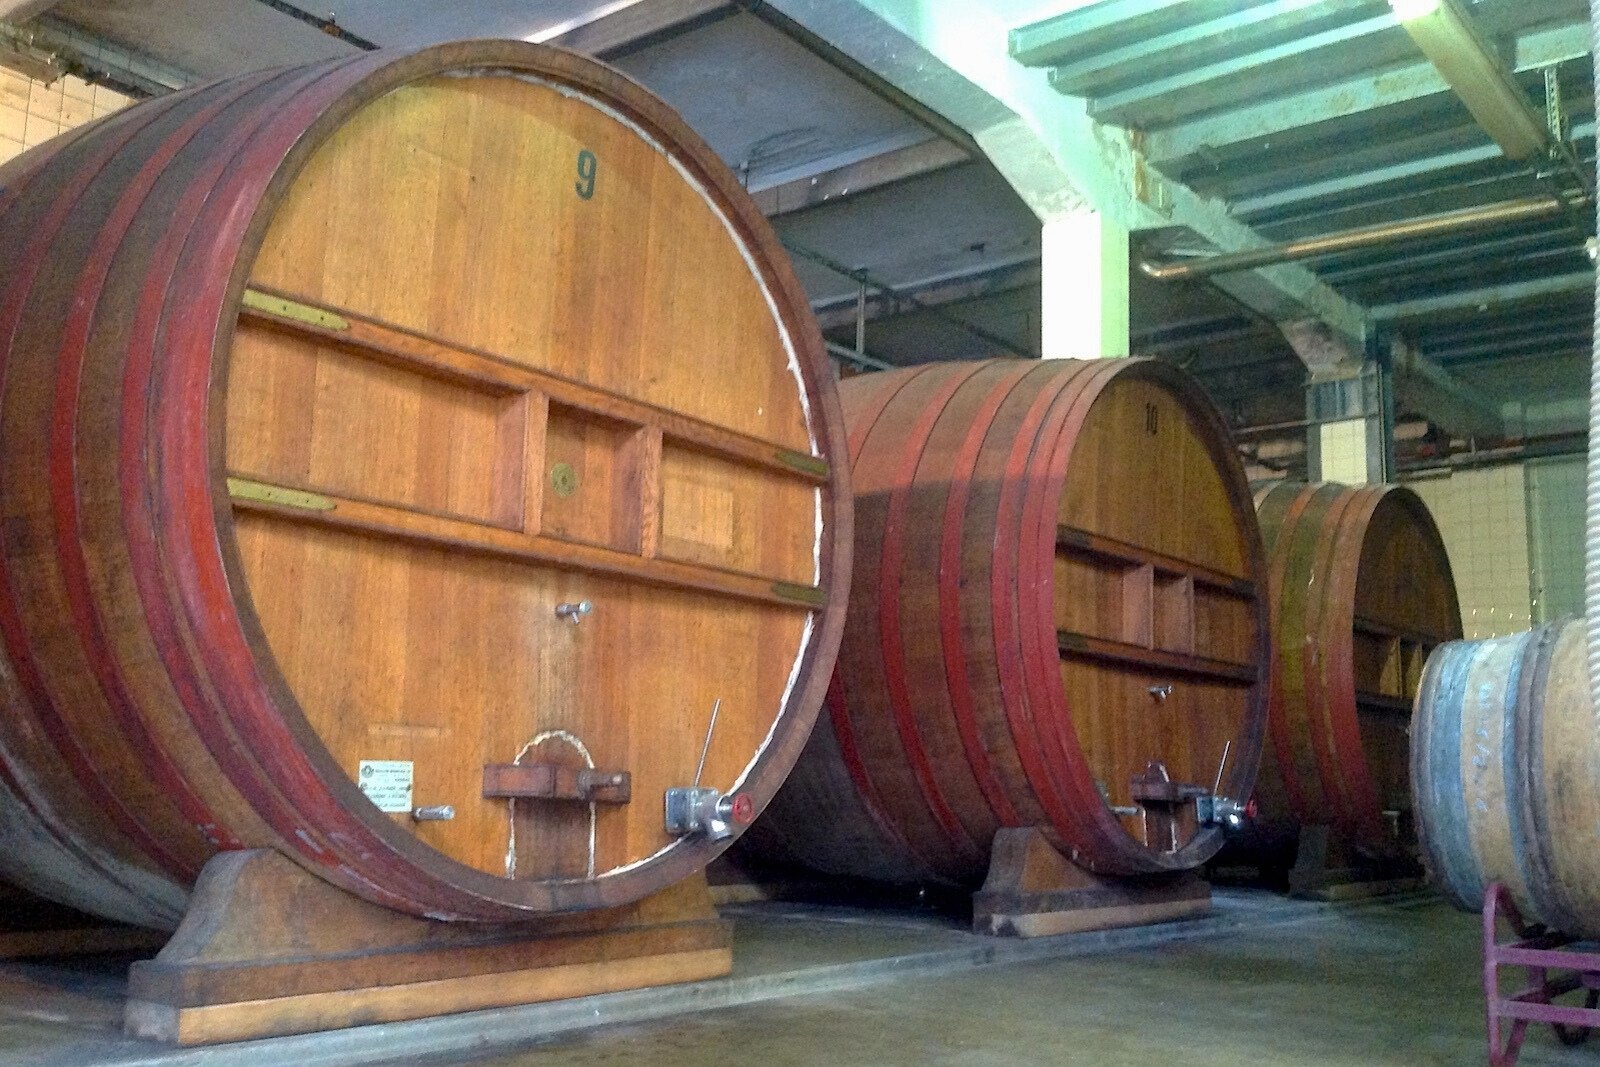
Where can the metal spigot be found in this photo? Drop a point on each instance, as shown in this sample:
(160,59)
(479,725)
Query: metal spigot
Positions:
(574,613)
(1160,692)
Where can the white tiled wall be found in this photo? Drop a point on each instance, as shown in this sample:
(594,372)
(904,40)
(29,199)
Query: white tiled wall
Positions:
(1483,516)
(32,112)
(1555,536)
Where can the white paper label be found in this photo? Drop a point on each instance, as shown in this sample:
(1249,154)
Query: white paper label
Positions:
(387,783)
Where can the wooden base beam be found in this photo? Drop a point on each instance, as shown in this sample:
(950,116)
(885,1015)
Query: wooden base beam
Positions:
(1034,891)
(268,949)
(1324,869)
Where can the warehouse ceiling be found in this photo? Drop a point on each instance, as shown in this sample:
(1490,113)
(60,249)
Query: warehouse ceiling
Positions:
(1297,117)
(1308,117)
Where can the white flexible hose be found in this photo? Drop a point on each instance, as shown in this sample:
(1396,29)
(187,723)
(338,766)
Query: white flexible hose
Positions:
(1591,575)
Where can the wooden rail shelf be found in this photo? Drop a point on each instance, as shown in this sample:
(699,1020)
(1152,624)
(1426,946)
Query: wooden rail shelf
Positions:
(1154,659)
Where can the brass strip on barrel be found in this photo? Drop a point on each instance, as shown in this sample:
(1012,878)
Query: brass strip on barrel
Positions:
(281,308)
(804,461)
(244,489)
(800,594)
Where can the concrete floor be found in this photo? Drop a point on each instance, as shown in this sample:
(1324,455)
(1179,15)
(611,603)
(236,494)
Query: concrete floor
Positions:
(1349,987)
(1263,981)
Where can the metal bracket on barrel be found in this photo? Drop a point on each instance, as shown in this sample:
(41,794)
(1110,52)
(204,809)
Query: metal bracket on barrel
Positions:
(700,810)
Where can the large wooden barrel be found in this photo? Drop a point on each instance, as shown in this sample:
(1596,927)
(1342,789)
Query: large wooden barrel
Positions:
(1505,762)
(405,459)
(1362,592)
(1057,619)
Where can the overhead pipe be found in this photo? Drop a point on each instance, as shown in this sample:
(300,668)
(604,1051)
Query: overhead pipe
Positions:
(1382,233)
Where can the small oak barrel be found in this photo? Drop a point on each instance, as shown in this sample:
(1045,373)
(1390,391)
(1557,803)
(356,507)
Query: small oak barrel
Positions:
(1505,763)
(1057,620)
(1362,592)
(403,458)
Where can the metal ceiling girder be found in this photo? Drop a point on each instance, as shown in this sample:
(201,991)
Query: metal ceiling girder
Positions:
(1164,101)
(1423,387)
(1203,42)
(1346,184)
(1552,340)
(1485,299)
(1234,128)
(951,55)
(1091,27)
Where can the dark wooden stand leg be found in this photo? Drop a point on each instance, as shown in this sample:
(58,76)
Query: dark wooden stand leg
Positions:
(1034,891)
(268,949)
(32,927)
(1324,869)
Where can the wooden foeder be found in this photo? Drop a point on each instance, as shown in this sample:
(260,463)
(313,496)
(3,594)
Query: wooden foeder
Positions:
(1362,592)
(403,456)
(1505,764)
(1057,622)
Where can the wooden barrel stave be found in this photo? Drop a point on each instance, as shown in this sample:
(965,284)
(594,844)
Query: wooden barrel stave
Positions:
(186,746)
(965,474)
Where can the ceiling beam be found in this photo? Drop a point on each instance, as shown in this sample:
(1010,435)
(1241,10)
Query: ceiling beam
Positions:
(991,280)
(1268,71)
(1424,388)
(1253,126)
(630,25)
(1407,171)
(834,180)
(1482,301)
(1088,28)
(1556,339)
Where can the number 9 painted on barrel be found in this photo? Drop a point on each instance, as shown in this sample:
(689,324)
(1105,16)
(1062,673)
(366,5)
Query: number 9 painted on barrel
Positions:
(588,167)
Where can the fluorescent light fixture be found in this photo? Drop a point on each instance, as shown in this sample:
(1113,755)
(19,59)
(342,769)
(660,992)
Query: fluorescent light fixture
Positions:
(1445,32)
(1406,10)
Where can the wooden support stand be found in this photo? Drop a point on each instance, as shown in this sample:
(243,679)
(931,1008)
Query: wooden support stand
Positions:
(1034,891)
(31,927)
(268,949)
(1324,869)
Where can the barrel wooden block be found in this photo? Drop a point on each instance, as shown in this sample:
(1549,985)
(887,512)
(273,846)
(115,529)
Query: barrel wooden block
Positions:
(1505,763)
(404,455)
(1058,620)
(267,949)
(1033,891)
(1362,592)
